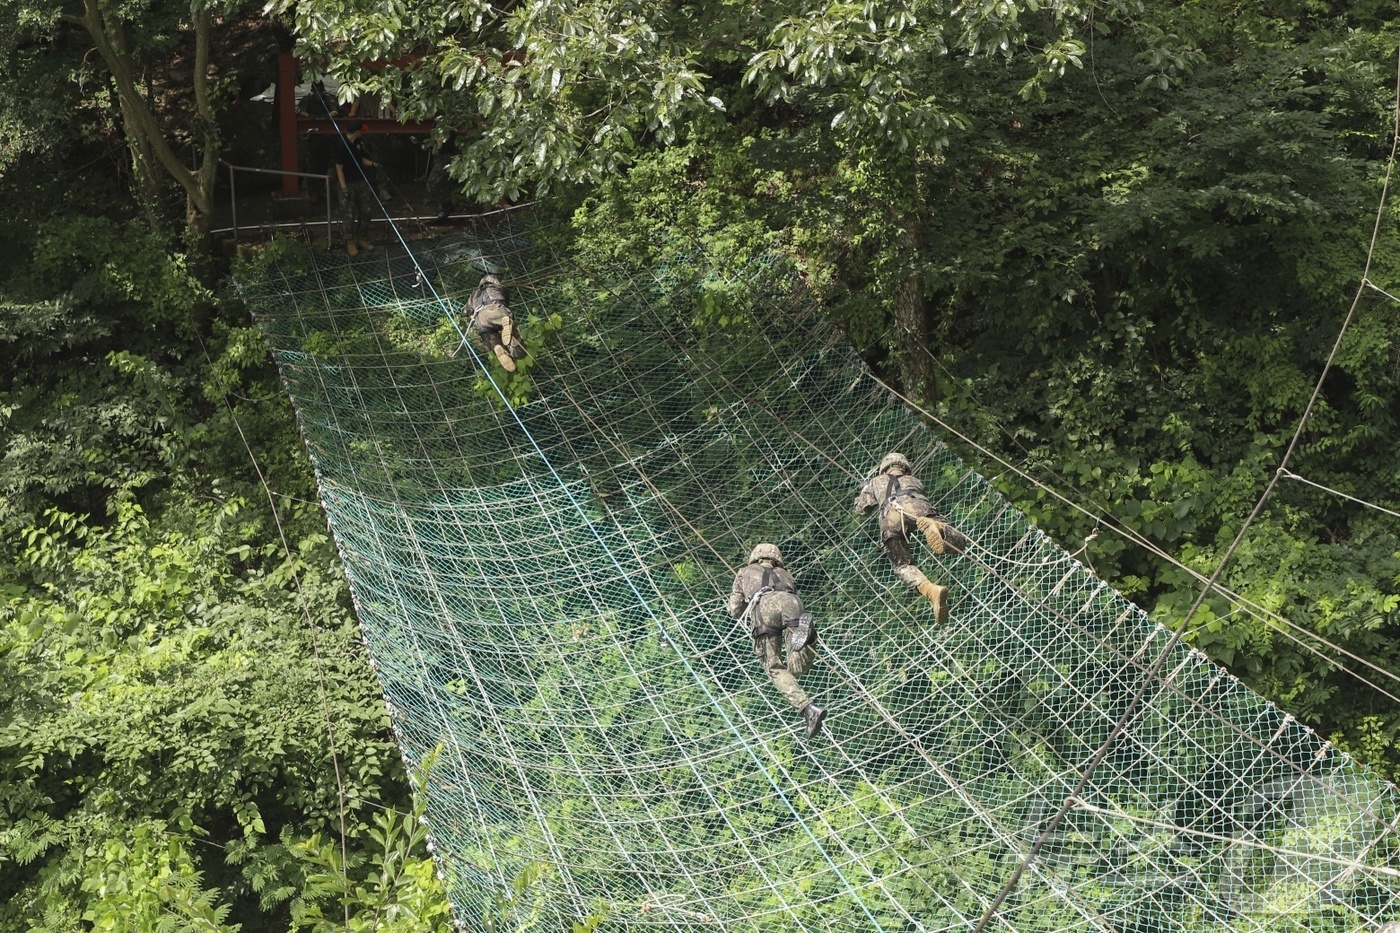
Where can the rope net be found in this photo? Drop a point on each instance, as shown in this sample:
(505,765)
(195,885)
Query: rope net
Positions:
(541,560)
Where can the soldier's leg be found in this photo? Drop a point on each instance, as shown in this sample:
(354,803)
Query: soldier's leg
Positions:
(799,629)
(364,216)
(769,646)
(933,533)
(799,662)
(769,651)
(953,539)
(347,219)
(896,543)
(503,355)
(897,549)
(941,535)
(935,594)
(489,322)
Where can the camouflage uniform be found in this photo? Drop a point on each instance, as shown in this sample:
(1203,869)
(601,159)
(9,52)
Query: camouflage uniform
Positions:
(355,210)
(904,506)
(493,322)
(771,618)
(903,503)
(355,192)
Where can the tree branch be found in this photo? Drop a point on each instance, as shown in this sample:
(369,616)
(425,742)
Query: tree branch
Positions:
(206,129)
(140,119)
(202,21)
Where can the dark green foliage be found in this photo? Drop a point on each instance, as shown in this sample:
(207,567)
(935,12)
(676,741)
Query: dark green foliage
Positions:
(171,682)
(1140,285)
(385,887)
(1129,277)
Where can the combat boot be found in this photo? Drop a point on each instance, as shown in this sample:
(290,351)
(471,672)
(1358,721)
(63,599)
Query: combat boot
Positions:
(942,537)
(932,533)
(803,633)
(503,355)
(938,596)
(814,715)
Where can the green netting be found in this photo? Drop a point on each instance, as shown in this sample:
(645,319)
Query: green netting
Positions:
(542,589)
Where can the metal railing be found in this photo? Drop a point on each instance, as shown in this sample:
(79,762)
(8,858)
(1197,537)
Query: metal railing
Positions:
(233,192)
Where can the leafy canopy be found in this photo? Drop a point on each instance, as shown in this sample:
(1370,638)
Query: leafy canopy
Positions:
(567,91)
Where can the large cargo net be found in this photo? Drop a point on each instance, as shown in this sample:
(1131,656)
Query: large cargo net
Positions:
(540,563)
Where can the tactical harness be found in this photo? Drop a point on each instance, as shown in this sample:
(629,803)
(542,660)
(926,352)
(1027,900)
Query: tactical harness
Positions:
(753,602)
(770,584)
(477,309)
(803,623)
(893,499)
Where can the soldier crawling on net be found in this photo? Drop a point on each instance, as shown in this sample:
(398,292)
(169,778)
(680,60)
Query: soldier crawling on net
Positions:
(903,505)
(767,594)
(493,323)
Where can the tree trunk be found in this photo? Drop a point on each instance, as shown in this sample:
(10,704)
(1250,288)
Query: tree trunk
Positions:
(199,203)
(143,162)
(911,332)
(151,152)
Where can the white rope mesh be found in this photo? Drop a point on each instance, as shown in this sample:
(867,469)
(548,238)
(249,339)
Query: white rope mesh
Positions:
(543,595)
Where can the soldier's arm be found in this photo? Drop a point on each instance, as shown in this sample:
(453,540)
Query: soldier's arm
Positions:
(737,600)
(865,501)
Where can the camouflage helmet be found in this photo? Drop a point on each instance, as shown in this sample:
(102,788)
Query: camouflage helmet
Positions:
(489,278)
(894,459)
(766,552)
